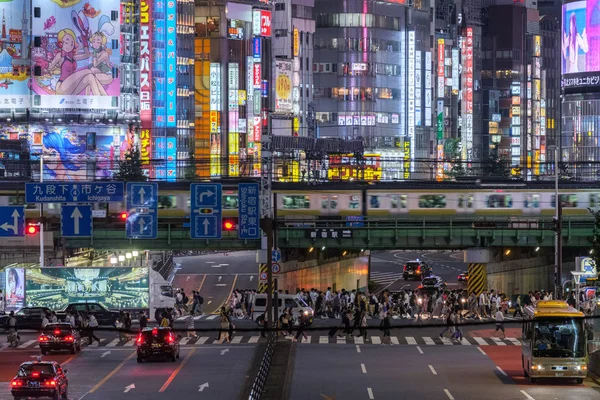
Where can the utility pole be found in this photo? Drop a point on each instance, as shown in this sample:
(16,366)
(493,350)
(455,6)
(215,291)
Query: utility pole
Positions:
(558,229)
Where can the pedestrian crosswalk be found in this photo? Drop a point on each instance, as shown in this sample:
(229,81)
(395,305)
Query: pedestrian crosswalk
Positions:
(385,278)
(191,341)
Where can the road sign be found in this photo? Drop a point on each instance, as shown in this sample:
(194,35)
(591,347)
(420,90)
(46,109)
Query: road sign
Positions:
(206,215)
(263,277)
(76,221)
(78,192)
(276,256)
(248,211)
(142,210)
(275,268)
(12,221)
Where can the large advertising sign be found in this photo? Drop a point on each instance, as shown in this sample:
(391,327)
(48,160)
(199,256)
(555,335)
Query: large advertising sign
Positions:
(145,82)
(440,69)
(159,56)
(467,100)
(14,63)
(76,64)
(15,288)
(283,86)
(171,63)
(215,119)
(121,288)
(580,44)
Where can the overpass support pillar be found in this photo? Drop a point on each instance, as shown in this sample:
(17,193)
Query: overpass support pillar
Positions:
(477,258)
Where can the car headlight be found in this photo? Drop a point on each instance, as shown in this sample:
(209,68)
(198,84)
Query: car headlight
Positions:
(582,367)
(537,367)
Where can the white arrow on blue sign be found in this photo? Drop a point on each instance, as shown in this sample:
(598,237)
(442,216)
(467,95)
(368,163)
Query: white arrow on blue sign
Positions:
(206,213)
(12,221)
(276,256)
(76,221)
(142,207)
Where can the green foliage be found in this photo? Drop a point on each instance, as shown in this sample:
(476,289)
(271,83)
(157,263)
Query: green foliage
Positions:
(372,286)
(457,170)
(596,236)
(130,169)
(495,166)
(189,173)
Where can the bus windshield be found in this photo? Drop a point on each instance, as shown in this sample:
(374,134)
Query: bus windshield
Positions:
(563,337)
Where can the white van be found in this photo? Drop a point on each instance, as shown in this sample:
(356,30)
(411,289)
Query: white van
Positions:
(285,301)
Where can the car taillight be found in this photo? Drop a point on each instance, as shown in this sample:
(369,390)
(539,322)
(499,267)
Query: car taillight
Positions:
(460,276)
(43,339)
(170,339)
(57,332)
(69,339)
(35,374)
(16,382)
(50,383)
(419,270)
(139,340)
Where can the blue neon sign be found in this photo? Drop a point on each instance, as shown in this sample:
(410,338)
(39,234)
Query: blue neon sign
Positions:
(171,76)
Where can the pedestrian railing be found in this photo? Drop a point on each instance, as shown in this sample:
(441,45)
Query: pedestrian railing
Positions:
(261,377)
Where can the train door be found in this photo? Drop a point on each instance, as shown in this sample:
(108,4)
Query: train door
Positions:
(466,203)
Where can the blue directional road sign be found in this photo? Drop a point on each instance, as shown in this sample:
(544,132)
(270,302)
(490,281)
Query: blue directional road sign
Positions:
(142,210)
(206,214)
(276,256)
(74,192)
(76,221)
(12,221)
(248,211)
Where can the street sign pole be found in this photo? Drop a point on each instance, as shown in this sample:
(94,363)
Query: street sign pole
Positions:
(42,214)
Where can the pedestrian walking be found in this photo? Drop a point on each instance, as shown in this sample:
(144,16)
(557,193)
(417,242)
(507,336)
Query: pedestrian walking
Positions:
(224,332)
(191,329)
(300,331)
(500,323)
(92,324)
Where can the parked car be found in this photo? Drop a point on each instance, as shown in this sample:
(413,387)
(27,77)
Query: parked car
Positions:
(27,318)
(104,316)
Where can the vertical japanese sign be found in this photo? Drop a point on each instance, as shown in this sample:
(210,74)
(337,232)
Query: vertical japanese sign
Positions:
(428,89)
(159,95)
(411,98)
(171,64)
(467,139)
(440,69)
(171,159)
(265,23)
(296,42)
(283,86)
(418,90)
(233,74)
(15,64)
(145,84)
(455,71)
(215,119)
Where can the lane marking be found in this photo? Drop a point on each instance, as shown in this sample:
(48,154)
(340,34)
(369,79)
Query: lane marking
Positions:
(502,372)
(448,394)
(527,395)
(253,339)
(221,284)
(420,350)
(228,296)
(432,369)
(111,373)
(184,340)
(481,351)
(357,348)
(410,340)
(498,342)
(68,360)
(428,341)
(363,368)
(395,340)
(370,392)
(480,341)
(465,342)
(174,374)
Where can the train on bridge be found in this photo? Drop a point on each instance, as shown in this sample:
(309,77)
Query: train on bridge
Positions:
(303,201)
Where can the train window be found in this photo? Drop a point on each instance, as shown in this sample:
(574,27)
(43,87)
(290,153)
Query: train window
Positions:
(354,203)
(432,201)
(394,200)
(532,201)
(333,202)
(324,202)
(398,201)
(295,202)
(230,202)
(499,201)
(374,202)
(567,200)
(594,200)
(466,201)
(167,202)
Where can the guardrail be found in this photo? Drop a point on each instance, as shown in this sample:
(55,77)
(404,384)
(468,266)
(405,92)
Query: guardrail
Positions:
(261,377)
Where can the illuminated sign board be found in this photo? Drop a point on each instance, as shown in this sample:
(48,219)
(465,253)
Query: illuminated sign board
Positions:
(296,42)
(283,86)
(428,89)
(145,82)
(64,41)
(265,23)
(15,66)
(171,64)
(215,119)
(467,100)
(411,100)
(233,73)
(256,43)
(257,75)
(455,76)
(440,69)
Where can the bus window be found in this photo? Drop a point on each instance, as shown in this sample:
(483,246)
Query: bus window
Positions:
(560,338)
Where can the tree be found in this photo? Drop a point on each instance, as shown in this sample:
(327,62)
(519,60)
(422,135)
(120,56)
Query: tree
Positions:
(130,169)
(457,170)
(189,173)
(495,166)
(596,236)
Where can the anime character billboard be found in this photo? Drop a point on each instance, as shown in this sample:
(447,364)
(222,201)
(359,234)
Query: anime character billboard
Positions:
(14,64)
(76,61)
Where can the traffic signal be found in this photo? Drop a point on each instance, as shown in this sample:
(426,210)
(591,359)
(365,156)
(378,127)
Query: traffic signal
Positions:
(228,225)
(123,216)
(32,229)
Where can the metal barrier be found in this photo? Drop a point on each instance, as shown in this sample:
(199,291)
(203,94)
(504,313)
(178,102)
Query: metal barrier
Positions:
(261,377)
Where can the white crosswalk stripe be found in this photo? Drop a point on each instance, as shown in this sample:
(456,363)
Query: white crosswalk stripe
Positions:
(395,340)
(428,341)
(237,339)
(27,344)
(385,277)
(375,340)
(211,317)
(113,343)
(253,339)
(498,342)
(184,340)
(480,341)
(201,340)
(323,339)
(130,343)
(410,340)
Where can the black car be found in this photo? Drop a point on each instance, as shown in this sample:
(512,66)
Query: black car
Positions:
(464,277)
(59,336)
(434,281)
(416,269)
(104,316)
(27,318)
(40,379)
(153,343)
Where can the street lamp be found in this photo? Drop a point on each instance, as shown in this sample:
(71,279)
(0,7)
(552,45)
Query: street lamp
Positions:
(135,253)
(558,228)
(128,255)
(121,258)
(113,260)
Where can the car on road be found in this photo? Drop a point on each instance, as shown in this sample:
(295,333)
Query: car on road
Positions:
(59,336)
(27,318)
(157,343)
(40,379)
(416,269)
(104,316)
(435,282)
(463,278)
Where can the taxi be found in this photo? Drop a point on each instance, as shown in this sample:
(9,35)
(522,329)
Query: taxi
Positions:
(40,379)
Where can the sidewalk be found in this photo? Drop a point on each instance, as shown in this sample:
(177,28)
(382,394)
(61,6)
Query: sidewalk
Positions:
(489,333)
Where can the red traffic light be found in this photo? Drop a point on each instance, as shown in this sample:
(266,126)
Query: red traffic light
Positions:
(123,216)
(32,229)
(228,225)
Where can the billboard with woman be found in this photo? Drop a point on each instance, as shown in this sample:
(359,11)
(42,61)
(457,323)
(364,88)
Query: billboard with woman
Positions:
(15,288)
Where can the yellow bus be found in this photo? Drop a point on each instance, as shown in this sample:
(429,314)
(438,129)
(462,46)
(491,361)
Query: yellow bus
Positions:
(554,342)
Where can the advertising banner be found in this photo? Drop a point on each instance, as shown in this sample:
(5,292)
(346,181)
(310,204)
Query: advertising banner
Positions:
(171,159)
(171,63)
(159,55)
(77,62)
(14,67)
(283,86)
(145,83)
(15,289)
(122,288)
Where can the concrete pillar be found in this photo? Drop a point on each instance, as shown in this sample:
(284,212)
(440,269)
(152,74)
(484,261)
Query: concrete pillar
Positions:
(477,259)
